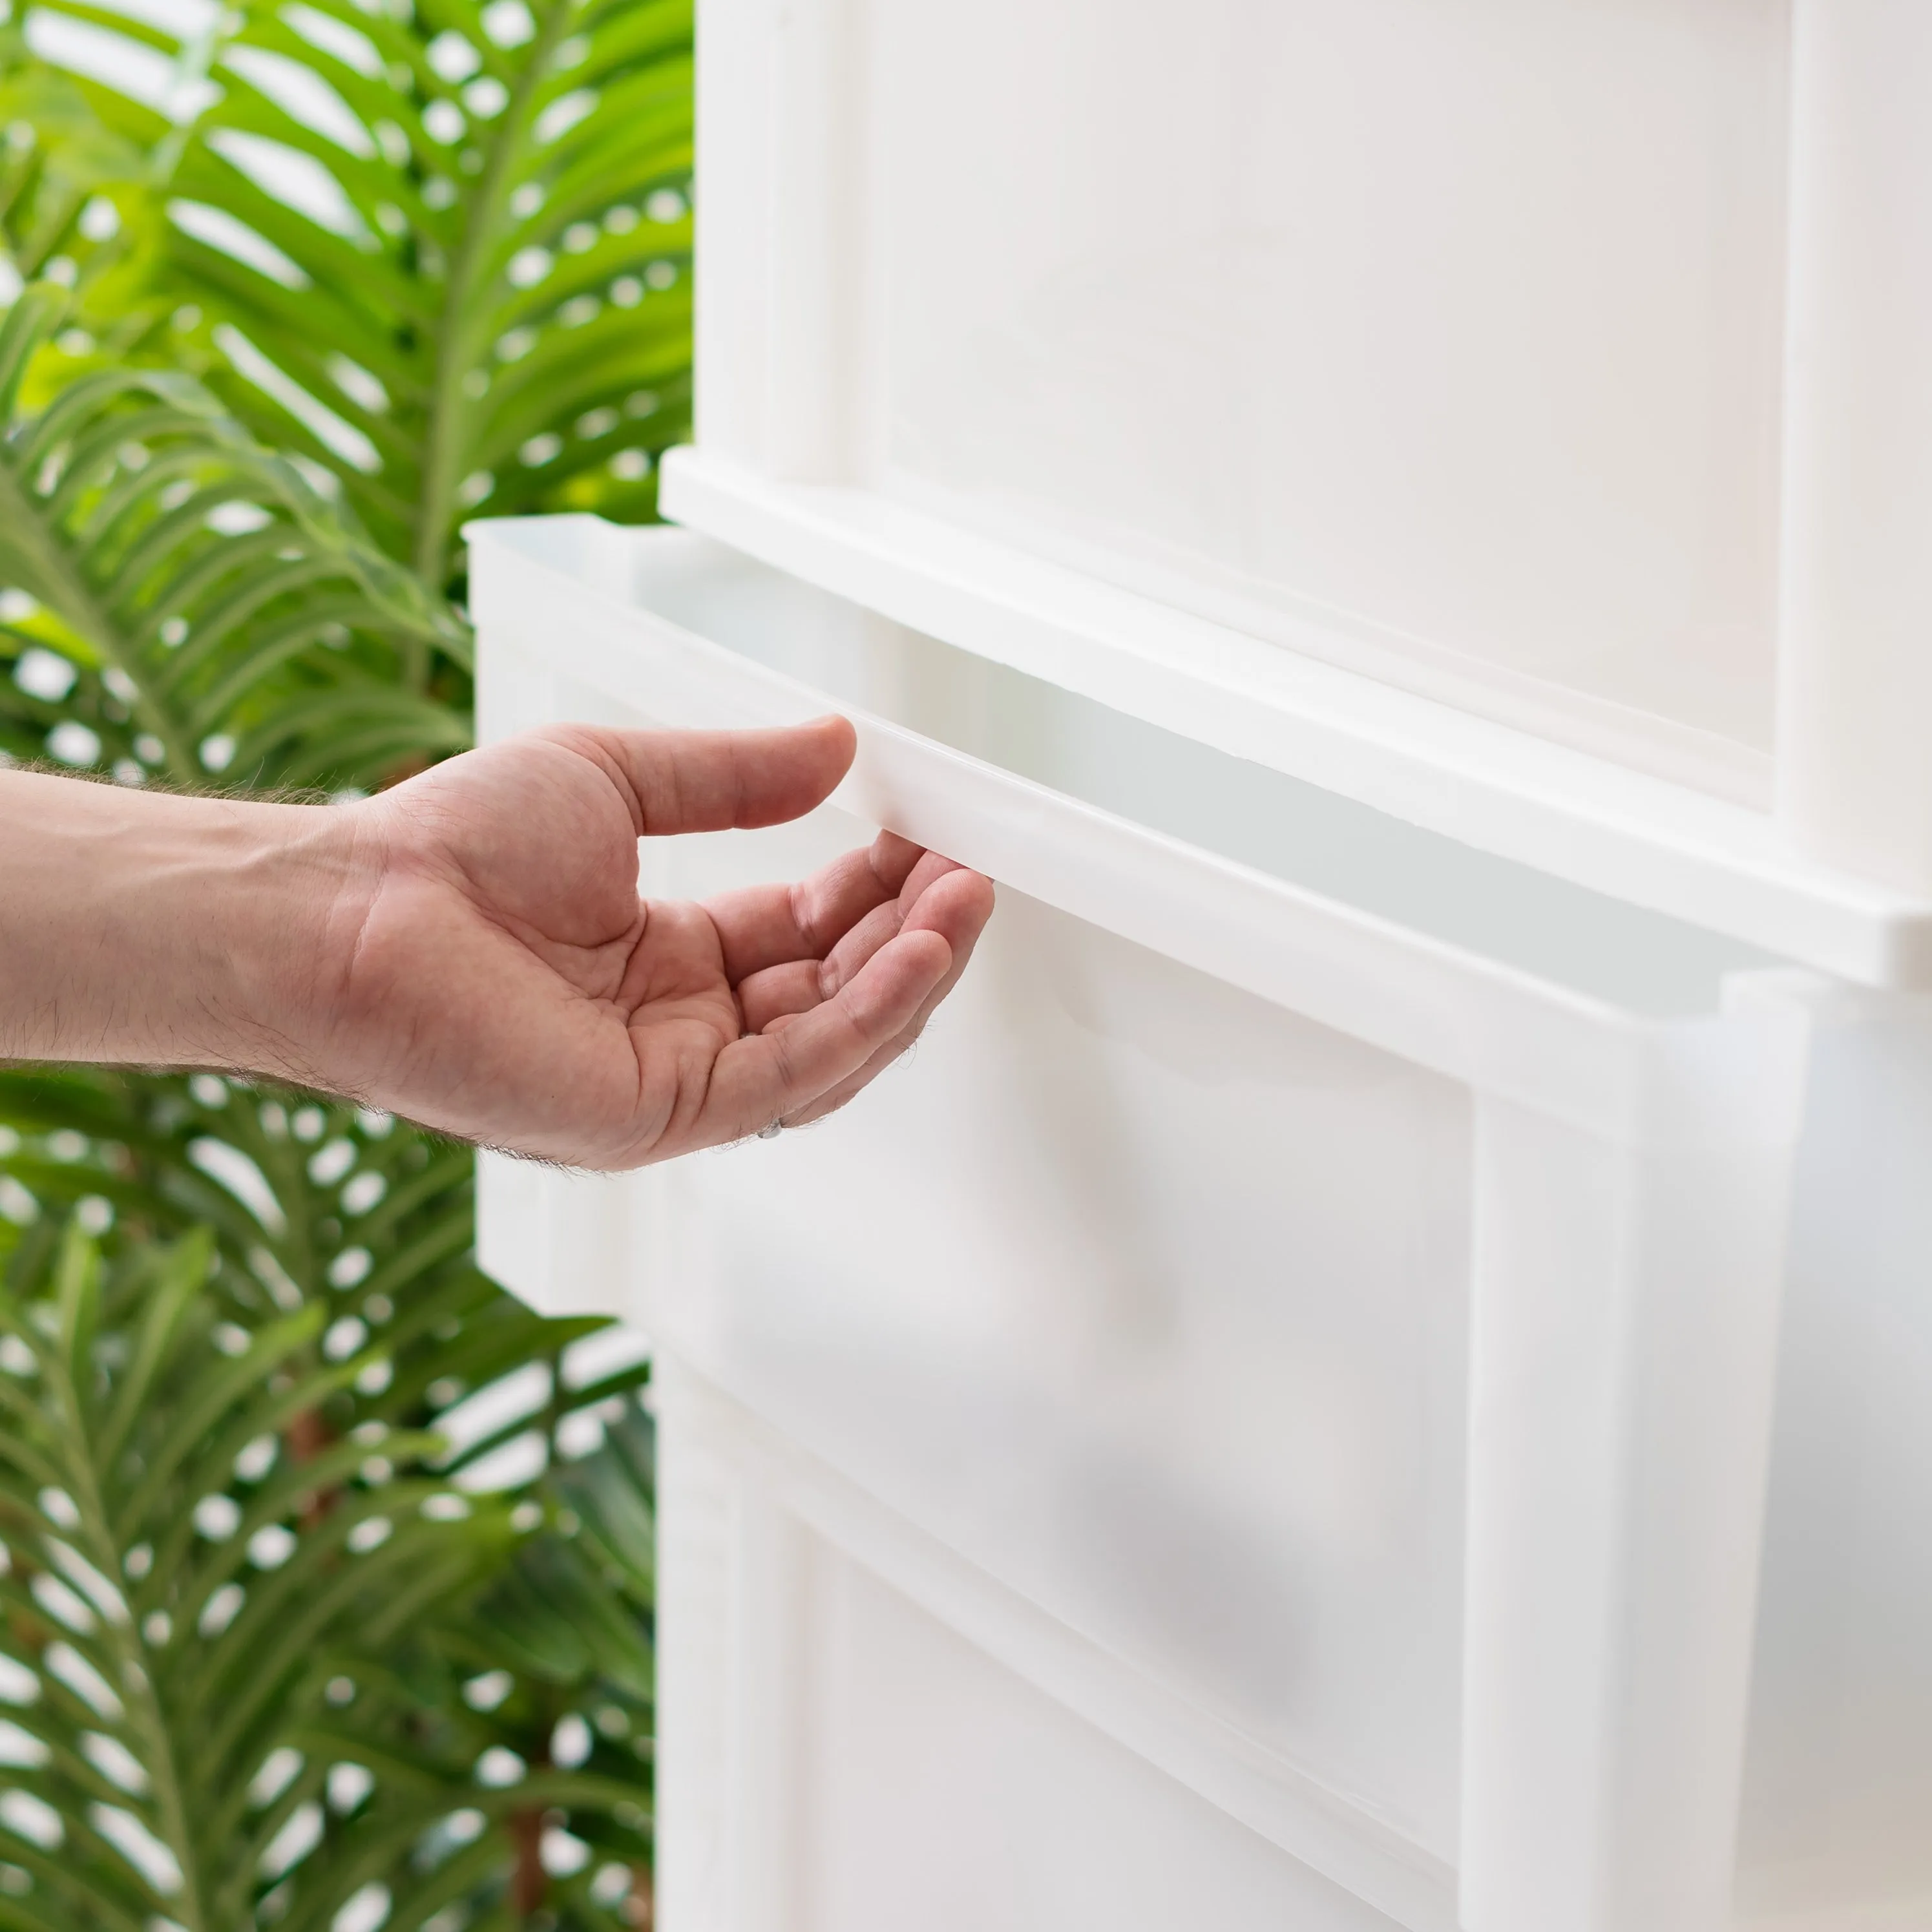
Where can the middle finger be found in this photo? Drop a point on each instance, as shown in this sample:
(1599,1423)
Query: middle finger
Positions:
(798,986)
(762,926)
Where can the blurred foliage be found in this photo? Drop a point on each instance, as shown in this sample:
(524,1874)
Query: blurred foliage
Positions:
(179,598)
(443,250)
(273,1449)
(327,1592)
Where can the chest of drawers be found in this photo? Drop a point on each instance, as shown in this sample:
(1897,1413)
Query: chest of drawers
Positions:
(1366,1373)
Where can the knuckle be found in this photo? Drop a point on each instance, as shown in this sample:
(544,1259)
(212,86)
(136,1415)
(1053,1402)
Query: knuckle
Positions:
(784,1059)
(799,910)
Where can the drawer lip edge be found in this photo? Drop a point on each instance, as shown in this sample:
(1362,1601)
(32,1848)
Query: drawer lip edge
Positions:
(1664,846)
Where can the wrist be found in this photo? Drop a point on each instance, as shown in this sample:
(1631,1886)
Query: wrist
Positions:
(141,927)
(284,891)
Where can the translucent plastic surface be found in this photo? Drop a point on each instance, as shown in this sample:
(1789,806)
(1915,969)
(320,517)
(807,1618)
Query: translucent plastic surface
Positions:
(1458,327)
(1839,1781)
(1638,960)
(1147,1295)
(1359,1343)
(1086,1834)
(1151,1298)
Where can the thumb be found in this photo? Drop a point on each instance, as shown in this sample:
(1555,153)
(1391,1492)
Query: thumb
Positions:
(713,781)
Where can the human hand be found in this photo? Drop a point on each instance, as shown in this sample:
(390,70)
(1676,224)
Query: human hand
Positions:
(490,970)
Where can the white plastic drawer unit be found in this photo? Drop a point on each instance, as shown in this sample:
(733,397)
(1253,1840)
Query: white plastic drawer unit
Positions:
(1513,414)
(1263,1422)
(1370,1373)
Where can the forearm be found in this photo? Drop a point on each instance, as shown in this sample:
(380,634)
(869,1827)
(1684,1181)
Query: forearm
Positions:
(145,928)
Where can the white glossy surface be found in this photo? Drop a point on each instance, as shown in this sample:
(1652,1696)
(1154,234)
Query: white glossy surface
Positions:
(1554,363)
(1855,781)
(1461,324)
(1590,820)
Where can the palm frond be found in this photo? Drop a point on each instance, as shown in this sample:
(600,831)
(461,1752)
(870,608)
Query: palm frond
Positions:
(206,595)
(283,1513)
(76,209)
(452,264)
(144,1613)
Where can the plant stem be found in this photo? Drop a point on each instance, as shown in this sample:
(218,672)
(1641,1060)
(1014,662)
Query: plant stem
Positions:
(528,1881)
(143,1702)
(456,325)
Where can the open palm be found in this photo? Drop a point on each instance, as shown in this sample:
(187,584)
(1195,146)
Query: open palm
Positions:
(500,978)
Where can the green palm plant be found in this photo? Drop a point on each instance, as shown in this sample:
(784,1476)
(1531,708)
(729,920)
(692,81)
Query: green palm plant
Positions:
(241,1609)
(450,259)
(69,181)
(169,1632)
(211,599)
(204,568)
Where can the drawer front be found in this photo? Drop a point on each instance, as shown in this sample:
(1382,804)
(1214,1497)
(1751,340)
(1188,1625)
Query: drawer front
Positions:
(1364,1346)
(1147,1296)
(1451,340)
(1481,409)
(1559,509)
(857,1735)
